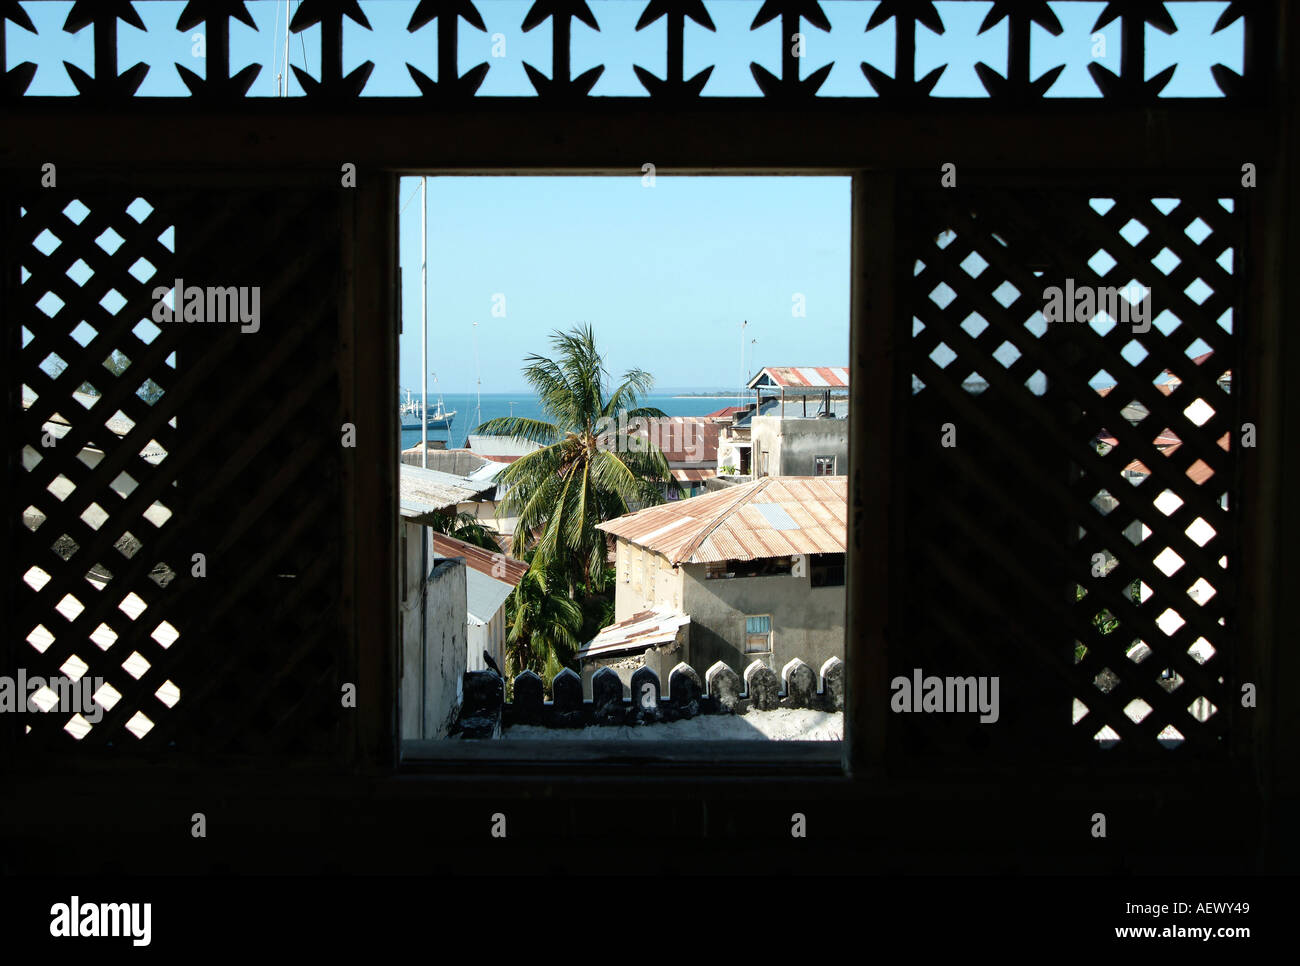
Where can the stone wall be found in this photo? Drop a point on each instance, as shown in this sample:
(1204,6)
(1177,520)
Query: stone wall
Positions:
(720,691)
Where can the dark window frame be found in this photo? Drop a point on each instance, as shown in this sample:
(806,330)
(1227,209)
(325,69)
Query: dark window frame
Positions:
(827,569)
(877,156)
(759,567)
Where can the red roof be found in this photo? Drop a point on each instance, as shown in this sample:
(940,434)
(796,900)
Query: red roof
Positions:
(682,439)
(803,377)
(498,566)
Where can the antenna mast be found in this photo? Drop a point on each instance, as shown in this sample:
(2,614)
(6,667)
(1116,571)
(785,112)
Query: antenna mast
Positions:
(478,382)
(424,326)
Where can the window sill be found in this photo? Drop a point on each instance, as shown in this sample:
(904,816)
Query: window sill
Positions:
(820,759)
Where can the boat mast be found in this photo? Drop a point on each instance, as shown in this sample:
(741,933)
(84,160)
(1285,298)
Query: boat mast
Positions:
(478,383)
(285,67)
(424,326)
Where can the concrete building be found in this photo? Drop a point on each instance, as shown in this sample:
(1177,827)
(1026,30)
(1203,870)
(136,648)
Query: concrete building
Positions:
(758,568)
(431,627)
(796,426)
(489,579)
(689,444)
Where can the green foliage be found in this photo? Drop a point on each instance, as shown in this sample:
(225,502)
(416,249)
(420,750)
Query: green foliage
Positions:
(1104,622)
(117,363)
(598,608)
(542,623)
(590,468)
(464,526)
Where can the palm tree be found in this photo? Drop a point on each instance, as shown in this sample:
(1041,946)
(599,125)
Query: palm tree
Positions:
(465,526)
(590,467)
(543,623)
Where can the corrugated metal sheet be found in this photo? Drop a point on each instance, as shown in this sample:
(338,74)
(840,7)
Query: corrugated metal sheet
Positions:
(502,449)
(775,515)
(421,491)
(643,629)
(692,476)
(496,566)
(484,596)
(803,377)
(725,525)
(458,462)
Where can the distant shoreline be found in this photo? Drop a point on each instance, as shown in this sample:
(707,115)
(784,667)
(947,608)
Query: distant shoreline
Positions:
(709,395)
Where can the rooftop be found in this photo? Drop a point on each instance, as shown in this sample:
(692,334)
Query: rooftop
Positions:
(725,413)
(498,566)
(643,629)
(423,492)
(796,408)
(801,377)
(775,516)
(501,449)
(682,439)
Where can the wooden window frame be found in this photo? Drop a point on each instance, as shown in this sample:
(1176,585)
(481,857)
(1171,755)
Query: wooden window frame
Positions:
(771,637)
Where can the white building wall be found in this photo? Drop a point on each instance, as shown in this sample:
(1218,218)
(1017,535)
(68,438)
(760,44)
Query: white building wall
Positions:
(433,663)
(490,637)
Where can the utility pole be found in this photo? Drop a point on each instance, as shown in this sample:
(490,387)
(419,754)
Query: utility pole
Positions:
(741,398)
(478,382)
(424,325)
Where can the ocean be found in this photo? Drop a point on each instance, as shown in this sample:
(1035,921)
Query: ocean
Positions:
(526,404)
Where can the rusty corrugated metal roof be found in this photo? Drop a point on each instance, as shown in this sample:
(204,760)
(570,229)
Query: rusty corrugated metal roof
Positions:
(803,377)
(643,629)
(728,524)
(498,566)
(726,412)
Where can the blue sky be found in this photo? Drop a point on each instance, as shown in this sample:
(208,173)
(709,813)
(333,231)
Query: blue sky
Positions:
(619,45)
(665,274)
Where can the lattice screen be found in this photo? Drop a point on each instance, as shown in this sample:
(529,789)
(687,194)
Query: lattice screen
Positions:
(99,492)
(1071,483)
(900,79)
(144,444)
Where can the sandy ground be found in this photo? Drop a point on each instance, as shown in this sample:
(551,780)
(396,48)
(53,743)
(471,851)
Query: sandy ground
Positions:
(784,723)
